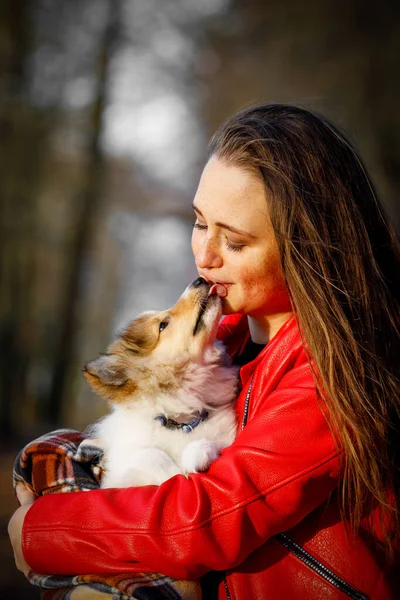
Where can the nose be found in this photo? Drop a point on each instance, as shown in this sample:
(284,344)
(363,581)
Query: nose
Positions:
(198,282)
(207,256)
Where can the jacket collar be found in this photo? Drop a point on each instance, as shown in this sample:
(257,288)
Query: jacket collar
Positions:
(234,332)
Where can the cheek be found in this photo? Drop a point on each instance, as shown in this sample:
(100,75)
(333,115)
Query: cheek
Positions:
(264,277)
(252,283)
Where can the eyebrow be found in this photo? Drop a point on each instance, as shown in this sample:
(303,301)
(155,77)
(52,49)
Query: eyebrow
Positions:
(225,226)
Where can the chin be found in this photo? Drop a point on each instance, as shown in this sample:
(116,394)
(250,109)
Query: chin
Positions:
(232,306)
(228,309)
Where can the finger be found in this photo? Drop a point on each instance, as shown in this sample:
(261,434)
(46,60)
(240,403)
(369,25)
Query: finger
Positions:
(24,494)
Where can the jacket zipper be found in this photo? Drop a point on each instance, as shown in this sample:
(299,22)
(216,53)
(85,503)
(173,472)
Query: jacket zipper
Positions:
(227,592)
(298,550)
(246,404)
(244,421)
(319,568)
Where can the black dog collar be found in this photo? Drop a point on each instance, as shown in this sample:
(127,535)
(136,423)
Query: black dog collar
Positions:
(186,427)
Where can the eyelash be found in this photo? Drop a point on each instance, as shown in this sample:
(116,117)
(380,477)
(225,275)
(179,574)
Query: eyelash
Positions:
(234,247)
(198,226)
(230,246)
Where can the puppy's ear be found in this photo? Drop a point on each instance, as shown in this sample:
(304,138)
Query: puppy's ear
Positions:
(107,376)
(108,369)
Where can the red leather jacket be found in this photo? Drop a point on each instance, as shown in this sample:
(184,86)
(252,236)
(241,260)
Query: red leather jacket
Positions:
(265,513)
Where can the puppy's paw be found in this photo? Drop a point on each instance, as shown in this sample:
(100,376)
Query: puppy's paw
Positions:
(198,455)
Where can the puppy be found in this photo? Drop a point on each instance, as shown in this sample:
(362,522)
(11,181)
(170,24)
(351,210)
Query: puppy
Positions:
(171,390)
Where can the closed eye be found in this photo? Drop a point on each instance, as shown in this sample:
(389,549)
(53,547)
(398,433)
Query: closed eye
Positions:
(235,247)
(199,226)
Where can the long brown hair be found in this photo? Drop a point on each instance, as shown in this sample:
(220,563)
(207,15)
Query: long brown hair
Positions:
(341,263)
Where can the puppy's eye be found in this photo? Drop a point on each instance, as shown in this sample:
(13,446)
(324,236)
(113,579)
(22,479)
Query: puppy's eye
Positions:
(163,325)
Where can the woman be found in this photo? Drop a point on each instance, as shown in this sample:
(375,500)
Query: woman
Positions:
(305,503)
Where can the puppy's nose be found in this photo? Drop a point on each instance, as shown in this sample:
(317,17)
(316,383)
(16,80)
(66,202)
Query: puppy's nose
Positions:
(198,282)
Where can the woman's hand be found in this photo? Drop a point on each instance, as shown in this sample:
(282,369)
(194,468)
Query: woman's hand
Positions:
(26,499)
(15,533)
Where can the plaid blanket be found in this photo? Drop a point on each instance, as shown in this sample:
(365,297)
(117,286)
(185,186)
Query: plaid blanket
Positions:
(68,461)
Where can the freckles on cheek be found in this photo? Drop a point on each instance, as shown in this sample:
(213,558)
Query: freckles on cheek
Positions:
(253,286)
(258,284)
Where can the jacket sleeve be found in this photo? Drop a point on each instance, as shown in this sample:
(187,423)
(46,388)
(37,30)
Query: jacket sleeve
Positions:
(281,466)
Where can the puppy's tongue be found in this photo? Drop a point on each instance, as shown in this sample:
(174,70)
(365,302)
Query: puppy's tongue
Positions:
(218,289)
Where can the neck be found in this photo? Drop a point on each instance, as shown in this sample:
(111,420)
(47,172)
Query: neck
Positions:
(262,329)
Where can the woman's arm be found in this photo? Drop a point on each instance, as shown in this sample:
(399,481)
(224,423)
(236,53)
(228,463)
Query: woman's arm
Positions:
(281,466)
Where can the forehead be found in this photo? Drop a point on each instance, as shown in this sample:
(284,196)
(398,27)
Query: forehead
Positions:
(231,192)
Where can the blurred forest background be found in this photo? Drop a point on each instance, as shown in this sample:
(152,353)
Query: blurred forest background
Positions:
(106,107)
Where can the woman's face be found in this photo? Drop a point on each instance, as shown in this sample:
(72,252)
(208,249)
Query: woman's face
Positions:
(233,241)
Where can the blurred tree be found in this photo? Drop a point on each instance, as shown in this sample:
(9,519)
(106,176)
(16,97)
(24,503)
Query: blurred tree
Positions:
(23,133)
(89,206)
(53,77)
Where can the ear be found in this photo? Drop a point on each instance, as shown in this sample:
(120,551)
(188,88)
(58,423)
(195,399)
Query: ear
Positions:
(107,369)
(108,377)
